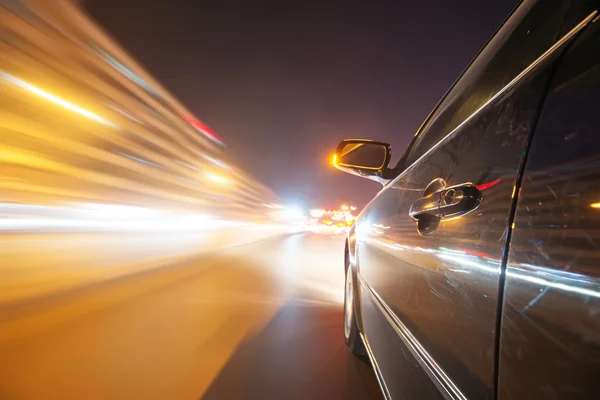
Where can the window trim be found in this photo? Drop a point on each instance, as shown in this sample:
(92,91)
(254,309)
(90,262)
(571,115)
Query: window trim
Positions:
(398,168)
(558,44)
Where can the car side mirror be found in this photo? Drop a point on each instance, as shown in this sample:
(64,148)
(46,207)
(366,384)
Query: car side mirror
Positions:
(366,158)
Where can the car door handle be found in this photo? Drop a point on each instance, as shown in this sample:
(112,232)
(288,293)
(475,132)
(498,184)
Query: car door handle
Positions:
(440,202)
(459,200)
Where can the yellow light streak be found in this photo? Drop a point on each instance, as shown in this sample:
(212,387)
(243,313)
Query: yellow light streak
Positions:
(55,99)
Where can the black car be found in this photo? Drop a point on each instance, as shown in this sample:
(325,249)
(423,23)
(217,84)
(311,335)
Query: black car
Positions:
(475,272)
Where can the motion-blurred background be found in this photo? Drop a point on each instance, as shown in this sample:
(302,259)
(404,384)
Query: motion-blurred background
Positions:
(141,256)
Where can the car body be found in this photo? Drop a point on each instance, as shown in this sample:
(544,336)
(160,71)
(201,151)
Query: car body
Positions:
(475,272)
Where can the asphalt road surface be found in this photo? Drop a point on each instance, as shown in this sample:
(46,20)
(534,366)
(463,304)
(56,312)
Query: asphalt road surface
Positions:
(260,321)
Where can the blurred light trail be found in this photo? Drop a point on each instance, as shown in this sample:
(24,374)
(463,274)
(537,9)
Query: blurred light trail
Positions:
(126,71)
(217,162)
(101,217)
(205,130)
(140,160)
(218,178)
(55,99)
(100,175)
(317,213)
(86,123)
(117,218)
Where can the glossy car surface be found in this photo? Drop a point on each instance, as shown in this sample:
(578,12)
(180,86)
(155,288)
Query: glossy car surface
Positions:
(475,272)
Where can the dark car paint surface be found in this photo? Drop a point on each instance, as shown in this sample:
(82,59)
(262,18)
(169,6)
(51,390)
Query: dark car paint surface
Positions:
(503,301)
(550,339)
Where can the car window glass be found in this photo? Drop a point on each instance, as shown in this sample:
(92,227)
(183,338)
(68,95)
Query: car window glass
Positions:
(522,39)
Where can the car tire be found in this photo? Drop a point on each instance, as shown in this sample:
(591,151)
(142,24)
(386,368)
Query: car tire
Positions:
(351,332)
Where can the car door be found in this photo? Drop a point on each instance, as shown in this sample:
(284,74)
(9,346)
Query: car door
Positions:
(550,332)
(430,290)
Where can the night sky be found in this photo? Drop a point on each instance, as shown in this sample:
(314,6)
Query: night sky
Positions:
(282,82)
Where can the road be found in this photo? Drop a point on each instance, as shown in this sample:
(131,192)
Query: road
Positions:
(259,321)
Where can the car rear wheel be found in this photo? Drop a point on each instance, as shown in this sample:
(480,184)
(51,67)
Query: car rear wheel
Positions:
(351,333)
